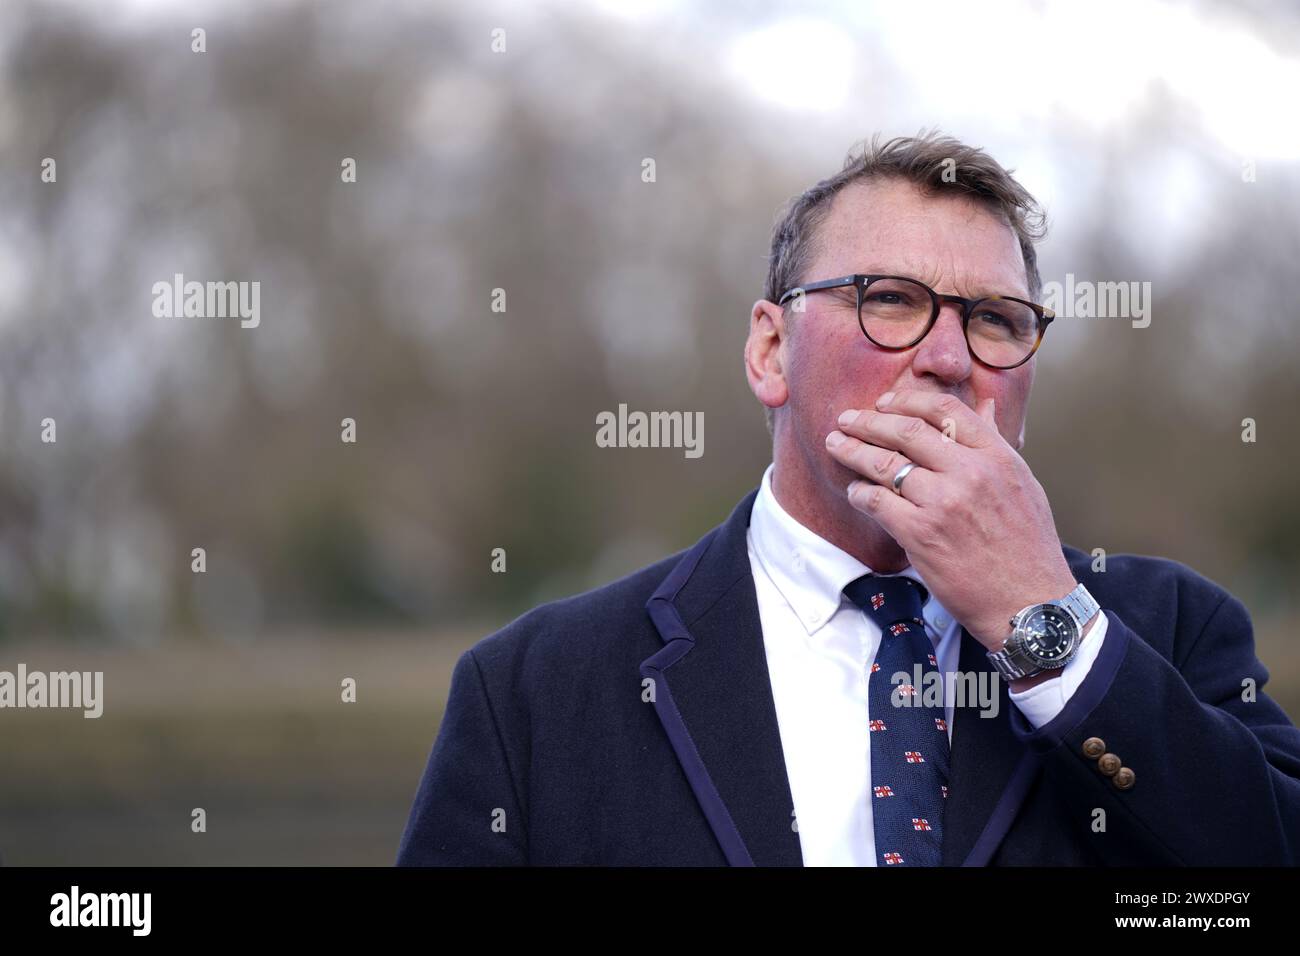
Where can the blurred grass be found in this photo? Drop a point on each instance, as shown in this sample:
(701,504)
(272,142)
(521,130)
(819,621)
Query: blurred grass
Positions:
(259,738)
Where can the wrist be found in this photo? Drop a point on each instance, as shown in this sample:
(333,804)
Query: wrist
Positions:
(1024,683)
(994,634)
(1043,676)
(1044,637)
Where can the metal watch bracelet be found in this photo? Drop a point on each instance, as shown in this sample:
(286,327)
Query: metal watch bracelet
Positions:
(1012,661)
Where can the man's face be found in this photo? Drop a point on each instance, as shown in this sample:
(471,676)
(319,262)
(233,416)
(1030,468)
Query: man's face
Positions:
(827,365)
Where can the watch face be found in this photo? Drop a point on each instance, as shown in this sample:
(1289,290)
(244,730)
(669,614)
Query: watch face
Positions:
(1048,634)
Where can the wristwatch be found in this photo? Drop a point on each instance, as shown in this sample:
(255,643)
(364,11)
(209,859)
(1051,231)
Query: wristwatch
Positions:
(1045,636)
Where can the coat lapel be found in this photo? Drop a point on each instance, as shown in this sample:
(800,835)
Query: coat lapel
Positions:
(713,695)
(989,770)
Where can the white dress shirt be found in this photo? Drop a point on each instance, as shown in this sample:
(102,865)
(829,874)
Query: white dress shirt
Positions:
(819,650)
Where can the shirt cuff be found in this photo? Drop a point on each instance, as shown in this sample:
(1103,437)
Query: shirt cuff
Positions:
(1041,703)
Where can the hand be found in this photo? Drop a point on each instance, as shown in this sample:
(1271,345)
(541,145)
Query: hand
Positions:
(971,516)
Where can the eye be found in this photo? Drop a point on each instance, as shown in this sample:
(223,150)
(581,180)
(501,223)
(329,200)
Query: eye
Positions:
(993,318)
(887,298)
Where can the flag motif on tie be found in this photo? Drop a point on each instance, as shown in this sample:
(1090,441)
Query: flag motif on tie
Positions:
(945,791)
(877,725)
(909,762)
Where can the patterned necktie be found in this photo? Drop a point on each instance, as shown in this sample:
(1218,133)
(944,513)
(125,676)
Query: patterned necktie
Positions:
(909,744)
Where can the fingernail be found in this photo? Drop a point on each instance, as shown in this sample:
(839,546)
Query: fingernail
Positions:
(848,416)
(884,400)
(834,438)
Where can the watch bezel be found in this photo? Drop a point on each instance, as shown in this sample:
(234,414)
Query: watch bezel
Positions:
(1013,659)
(1021,635)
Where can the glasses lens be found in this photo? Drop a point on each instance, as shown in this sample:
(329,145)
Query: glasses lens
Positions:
(895,311)
(1001,331)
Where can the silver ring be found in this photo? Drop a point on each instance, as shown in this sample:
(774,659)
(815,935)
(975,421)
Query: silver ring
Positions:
(902,473)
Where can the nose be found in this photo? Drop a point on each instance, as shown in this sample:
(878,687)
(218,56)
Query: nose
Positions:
(943,353)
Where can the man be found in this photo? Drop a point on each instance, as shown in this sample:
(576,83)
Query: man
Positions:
(764,697)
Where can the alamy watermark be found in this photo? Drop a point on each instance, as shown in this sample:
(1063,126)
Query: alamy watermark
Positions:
(210,300)
(82,690)
(963,688)
(75,908)
(626,429)
(1100,300)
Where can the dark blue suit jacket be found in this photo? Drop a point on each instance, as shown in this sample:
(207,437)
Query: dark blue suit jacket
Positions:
(634,725)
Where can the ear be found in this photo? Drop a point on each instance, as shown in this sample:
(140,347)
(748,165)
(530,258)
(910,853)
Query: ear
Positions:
(765,352)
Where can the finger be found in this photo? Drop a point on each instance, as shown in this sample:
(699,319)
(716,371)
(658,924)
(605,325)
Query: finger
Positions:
(989,413)
(956,421)
(892,512)
(878,465)
(916,438)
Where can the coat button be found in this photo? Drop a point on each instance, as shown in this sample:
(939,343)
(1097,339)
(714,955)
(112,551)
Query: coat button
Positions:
(1109,764)
(1124,779)
(1094,747)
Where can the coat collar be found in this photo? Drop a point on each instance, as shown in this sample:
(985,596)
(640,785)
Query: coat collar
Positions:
(713,695)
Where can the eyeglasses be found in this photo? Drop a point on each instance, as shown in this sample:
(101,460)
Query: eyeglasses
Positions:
(895,313)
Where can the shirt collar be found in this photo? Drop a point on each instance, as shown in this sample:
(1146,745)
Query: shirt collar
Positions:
(809,571)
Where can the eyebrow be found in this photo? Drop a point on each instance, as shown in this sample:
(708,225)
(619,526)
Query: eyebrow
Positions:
(980,292)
